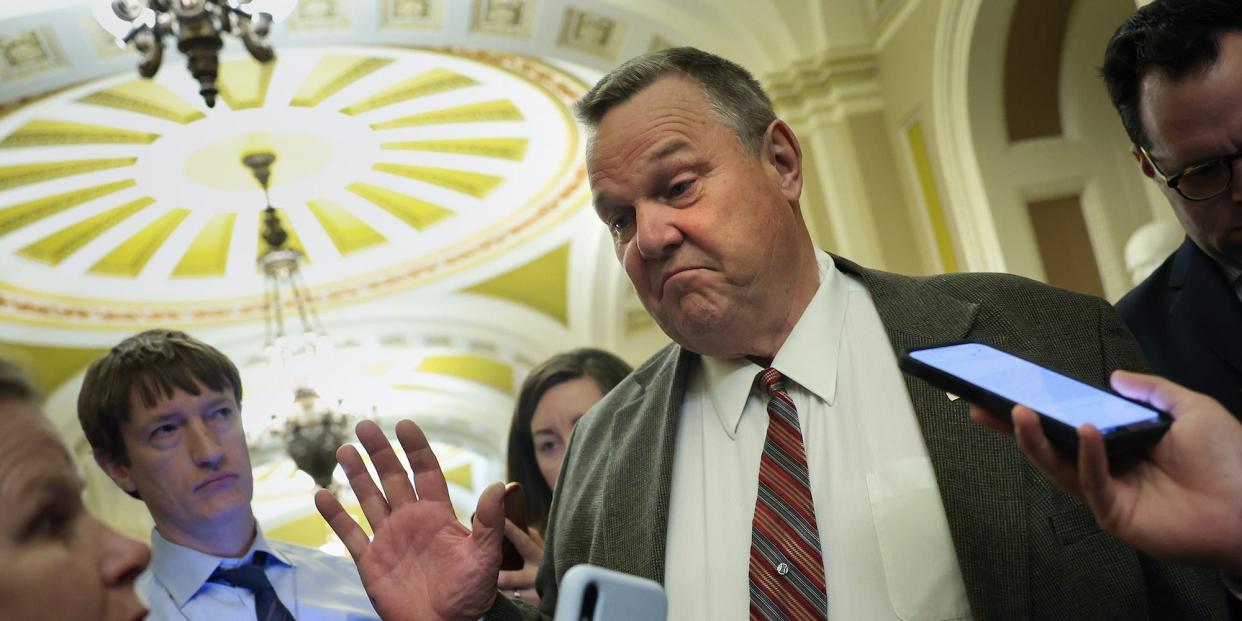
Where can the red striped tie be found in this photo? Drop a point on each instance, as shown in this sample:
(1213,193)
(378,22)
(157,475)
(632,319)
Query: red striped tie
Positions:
(786,566)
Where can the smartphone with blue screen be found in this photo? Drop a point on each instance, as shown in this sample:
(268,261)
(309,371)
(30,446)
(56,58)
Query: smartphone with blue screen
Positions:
(996,380)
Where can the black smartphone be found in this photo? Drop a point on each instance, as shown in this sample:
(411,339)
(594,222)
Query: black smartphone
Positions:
(996,380)
(515,511)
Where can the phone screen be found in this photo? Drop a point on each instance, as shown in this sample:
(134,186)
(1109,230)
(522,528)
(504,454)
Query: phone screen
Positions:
(1047,392)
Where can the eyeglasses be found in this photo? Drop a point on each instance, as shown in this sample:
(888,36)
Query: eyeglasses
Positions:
(1203,180)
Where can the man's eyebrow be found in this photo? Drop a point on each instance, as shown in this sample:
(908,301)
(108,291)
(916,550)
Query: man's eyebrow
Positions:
(670,148)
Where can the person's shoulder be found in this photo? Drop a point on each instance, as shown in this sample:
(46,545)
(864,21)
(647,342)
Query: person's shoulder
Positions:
(1140,300)
(986,287)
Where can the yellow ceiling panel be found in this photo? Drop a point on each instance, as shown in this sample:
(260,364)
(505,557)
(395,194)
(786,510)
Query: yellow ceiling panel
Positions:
(45,132)
(470,367)
(461,476)
(57,247)
(415,212)
(501,148)
(430,83)
(49,366)
(208,254)
(478,185)
(346,231)
(21,214)
(494,110)
(293,243)
(542,284)
(243,83)
(23,174)
(333,73)
(144,96)
(311,531)
(132,255)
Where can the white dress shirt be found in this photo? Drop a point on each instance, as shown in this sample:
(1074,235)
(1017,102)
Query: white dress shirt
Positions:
(886,544)
(314,586)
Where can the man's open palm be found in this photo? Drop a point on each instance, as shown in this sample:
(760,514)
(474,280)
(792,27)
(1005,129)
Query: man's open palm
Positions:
(422,564)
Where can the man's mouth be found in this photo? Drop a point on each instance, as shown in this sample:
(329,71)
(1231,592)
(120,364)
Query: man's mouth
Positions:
(218,479)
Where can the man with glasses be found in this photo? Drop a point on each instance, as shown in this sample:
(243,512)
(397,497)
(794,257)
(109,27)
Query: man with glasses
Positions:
(1174,73)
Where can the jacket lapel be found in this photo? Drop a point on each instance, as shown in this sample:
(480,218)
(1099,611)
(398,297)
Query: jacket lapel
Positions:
(979,472)
(644,432)
(1205,304)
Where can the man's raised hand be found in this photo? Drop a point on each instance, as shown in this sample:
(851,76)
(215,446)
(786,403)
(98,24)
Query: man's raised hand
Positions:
(422,564)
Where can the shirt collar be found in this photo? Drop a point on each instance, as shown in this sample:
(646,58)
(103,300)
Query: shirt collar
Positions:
(183,571)
(808,357)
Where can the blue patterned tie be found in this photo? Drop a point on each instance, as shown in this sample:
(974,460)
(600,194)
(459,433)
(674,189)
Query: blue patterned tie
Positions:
(267,606)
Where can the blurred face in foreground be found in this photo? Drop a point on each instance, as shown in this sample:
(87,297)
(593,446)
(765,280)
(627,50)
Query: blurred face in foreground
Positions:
(59,562)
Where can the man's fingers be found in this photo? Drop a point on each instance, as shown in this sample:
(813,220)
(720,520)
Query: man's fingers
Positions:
(1159,392)
(1038,449)
(392,474)
(987,419)
(428,478)
(1096,482)
(369,497)
(527,547)
(346,529)
(488,524)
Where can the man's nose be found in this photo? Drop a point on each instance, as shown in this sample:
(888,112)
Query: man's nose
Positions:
(658,231)
(205,446)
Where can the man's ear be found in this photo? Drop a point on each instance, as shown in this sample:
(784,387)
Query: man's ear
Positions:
(116,471)
(1149,171)
(782,152)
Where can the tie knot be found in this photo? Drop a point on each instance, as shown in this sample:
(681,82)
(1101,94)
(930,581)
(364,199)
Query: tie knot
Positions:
(249,576)
(771,381)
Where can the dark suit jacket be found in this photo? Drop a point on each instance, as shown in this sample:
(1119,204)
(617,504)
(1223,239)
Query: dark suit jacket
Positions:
(1026,550)
(1189,323)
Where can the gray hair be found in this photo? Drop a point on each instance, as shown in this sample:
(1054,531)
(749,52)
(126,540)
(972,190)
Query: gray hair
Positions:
(734,95)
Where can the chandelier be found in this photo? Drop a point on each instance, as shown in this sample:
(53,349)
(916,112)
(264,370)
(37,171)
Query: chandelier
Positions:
(197,25)
(312,428)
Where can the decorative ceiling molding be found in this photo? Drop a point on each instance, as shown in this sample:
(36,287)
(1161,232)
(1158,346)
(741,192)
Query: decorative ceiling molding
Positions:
(430,163)
(840,82)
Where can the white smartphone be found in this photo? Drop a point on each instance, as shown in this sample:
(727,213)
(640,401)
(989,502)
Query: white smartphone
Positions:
(996,380)
(588,592)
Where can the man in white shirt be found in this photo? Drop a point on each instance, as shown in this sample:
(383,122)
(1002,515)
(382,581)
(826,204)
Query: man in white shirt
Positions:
(162,412)
(773,462)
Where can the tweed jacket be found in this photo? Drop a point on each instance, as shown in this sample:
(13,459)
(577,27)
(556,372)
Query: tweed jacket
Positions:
(1026,550)
(1188,321)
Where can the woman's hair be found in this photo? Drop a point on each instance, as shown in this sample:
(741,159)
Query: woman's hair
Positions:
(606,369)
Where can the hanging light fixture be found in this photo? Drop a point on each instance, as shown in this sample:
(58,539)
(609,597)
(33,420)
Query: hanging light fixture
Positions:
(312,428)
(197,26)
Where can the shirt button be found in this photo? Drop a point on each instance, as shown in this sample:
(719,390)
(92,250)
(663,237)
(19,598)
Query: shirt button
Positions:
(782,568)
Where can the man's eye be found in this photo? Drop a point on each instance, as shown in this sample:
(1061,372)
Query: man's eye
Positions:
(619,223)
(163,431)
(52,522)
(679,188)
(222,413)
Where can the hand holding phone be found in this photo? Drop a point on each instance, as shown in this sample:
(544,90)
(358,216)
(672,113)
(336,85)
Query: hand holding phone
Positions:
(1180,501)
(997,380)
